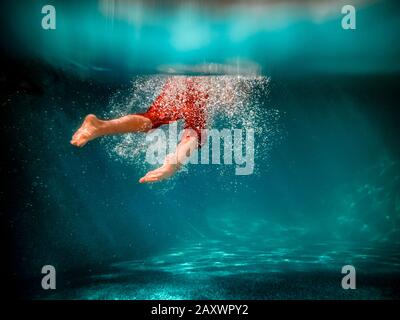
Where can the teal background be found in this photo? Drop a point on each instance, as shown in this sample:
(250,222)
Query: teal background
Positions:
(282,39)
(327,195)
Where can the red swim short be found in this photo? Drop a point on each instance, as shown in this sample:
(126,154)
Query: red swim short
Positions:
(180,98)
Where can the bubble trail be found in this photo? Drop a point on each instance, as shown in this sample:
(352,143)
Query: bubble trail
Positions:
(234,102)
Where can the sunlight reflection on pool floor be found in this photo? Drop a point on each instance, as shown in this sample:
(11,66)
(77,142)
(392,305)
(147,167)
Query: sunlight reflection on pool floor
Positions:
(221,270)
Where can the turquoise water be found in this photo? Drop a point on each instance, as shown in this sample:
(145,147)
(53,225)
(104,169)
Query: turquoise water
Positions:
(324,194)
(114,38)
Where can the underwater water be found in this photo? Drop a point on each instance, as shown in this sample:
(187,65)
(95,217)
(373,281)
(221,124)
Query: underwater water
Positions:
(324,194)
(325,191)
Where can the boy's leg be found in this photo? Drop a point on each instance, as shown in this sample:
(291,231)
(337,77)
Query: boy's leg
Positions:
(92,127)
(173,162)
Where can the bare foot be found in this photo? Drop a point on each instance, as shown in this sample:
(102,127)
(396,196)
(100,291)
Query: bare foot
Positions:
(89,130)
(164,172)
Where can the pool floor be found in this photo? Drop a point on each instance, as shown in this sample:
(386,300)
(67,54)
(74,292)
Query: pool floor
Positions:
(214,269)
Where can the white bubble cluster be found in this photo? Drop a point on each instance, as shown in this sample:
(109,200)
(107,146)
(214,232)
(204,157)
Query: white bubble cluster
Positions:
(233,102)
